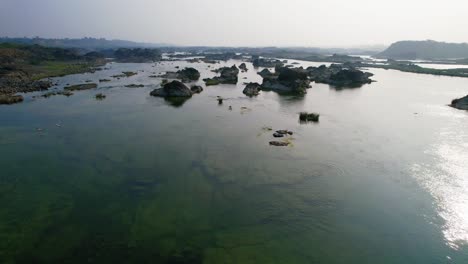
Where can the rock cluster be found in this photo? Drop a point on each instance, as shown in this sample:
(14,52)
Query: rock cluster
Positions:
(81,87)
(172,89)
(287,80)
(265,62)
(339,76)
(228,75)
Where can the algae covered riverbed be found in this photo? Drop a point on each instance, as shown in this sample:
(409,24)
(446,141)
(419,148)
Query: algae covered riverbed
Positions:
(135,179)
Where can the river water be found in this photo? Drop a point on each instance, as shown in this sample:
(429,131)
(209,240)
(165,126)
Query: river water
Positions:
(382,178)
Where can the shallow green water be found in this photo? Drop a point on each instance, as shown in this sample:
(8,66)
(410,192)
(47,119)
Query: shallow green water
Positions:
(133,179)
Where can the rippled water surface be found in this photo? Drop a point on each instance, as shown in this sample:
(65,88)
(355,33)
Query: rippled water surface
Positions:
(383,178)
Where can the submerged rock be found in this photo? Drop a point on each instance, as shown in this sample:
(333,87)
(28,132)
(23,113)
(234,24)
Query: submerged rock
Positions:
(100,96)
(10,99)
(252,89)
(81,87)
(135,86)
(104,80)
(196,89)
(278,135)
(461,103)
(279,143)
(173,89)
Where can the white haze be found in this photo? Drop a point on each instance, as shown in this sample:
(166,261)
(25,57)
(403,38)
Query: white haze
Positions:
(326,23)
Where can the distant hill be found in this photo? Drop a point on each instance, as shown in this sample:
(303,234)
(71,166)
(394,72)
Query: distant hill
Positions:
(89,44)
(429,49)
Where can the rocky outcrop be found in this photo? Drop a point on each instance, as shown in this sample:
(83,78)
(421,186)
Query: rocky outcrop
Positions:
(81,87)
(243,67)
(172,89)
(264,62)
(339,75)
(265,73)
(135,85)
(228,75)
(461,103)
(252,89)
(287,80)
(188,74)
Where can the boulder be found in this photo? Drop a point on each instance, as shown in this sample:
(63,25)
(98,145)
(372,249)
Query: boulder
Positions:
(173,89)
(252,89)
(196,89)
(279,143)
(461,103)
(243,67)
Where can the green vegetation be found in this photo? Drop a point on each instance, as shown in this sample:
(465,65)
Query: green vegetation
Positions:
(59,68)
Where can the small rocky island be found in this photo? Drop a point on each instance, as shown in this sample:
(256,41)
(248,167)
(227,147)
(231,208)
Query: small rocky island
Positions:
(461,103)
(339,75)
(176,89)
(228,75)
(188,74)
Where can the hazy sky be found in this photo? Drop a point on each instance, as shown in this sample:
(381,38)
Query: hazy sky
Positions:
(336,23)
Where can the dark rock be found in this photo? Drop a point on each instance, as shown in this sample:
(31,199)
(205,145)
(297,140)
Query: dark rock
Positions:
(339,76)
(196,89)
(279,143)
(278,135)
(350,77)
(81,87)
(134,86)
(252,89)
(306,117)
(104,80)
(100,96)
(461,103)
(173,89)
(188,74)
(243,67)
(265,73)
(228,75)
(125,74)
(284,132)
(288,81)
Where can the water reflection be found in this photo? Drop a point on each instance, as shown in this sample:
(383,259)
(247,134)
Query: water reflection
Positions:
(447,182)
